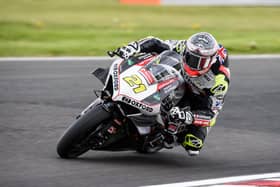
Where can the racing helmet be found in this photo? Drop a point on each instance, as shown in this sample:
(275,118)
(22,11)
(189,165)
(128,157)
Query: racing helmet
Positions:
(200,54)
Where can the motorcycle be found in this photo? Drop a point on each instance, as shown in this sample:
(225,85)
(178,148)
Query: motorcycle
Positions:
(131,111)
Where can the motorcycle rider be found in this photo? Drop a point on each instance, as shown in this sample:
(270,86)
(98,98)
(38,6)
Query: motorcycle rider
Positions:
(205,69)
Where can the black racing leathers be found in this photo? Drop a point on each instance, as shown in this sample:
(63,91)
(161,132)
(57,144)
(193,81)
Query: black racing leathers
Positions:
(205,94)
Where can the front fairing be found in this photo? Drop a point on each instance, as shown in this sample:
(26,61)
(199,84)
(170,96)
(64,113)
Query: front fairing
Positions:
(143,82)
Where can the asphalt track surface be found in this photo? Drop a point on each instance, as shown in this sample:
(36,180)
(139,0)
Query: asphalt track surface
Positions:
(39,99)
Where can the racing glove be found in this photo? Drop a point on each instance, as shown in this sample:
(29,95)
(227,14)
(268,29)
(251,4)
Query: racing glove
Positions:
(127,51)
(178,115)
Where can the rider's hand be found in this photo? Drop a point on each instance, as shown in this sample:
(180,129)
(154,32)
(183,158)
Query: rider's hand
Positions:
(129,50)
(180,115)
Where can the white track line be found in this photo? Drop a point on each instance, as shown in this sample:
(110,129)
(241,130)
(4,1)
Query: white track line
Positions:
(273,179)
(218,180)
(233,57)
(263,56)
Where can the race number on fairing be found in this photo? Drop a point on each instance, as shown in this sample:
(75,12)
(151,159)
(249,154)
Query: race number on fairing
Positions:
(134,80)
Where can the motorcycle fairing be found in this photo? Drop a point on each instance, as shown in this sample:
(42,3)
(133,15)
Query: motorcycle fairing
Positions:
(143,82)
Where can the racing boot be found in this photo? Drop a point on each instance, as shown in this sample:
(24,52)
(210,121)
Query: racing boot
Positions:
(193,140)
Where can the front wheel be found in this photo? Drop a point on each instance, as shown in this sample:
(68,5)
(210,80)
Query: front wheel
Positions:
(71,145)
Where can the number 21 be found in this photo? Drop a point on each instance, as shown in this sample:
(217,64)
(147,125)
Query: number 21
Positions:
(134,80)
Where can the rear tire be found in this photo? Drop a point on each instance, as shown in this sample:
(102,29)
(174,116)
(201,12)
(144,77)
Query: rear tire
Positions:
(69,145)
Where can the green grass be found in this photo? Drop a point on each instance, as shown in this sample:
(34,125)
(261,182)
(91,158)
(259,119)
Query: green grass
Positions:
(91,27)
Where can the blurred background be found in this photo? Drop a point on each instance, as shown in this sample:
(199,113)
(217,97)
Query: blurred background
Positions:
(91,27)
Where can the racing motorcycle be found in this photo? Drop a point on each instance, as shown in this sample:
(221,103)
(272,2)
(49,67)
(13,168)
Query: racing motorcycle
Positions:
(131,111)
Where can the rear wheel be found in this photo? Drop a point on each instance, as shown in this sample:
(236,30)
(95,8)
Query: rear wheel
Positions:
(71,144)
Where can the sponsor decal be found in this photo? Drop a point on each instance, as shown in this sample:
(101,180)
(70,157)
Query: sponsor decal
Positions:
(201,123)
(201,120)
(147,75)
(137,104)
(116,77)
(197,116)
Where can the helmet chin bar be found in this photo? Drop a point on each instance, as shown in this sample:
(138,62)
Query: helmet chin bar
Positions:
(194,73)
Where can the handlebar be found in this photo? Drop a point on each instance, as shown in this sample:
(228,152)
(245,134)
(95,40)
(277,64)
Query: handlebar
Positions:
(114,53)
(111,53)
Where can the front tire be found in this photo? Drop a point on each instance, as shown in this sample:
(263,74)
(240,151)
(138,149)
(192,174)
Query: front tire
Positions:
(69,145)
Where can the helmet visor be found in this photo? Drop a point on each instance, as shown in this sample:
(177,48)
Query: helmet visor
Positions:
(197,62)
